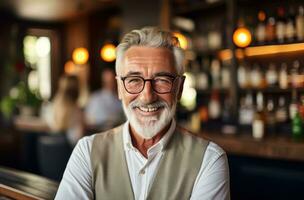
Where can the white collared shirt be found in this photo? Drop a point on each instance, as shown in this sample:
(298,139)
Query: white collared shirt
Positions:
(212,181)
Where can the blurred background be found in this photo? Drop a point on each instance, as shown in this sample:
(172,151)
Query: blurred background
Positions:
(244,84)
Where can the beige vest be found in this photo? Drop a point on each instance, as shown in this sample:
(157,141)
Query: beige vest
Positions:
(175,176)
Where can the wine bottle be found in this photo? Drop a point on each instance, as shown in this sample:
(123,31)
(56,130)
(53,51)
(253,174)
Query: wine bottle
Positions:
(260,32)
(270,117)
(300,24)
(283,76)
(281,112)
(290,30)
(271,75)
(258,124)
(280,25)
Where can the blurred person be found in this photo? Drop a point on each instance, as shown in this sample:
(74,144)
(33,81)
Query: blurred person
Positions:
(150,156)
(104,109)
(65,116)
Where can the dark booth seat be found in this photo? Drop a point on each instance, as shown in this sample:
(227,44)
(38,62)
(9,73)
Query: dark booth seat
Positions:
(53,154)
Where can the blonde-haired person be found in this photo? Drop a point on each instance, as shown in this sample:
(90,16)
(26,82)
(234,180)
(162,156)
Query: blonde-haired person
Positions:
(66,116)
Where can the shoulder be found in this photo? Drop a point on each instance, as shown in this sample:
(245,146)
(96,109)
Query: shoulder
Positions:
(215,149)
(107,138)
(188,135)
(109,133)
(84,145)
(212,148)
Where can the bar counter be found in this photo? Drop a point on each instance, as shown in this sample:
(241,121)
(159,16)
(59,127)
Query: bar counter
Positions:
(276,147)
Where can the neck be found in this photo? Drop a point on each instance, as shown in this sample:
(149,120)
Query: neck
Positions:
(143,144)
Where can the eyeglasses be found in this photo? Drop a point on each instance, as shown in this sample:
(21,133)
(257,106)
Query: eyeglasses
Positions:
(160,84)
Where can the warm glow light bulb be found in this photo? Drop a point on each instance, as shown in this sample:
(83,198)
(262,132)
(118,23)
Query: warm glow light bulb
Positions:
(108,53)
(69,67)
(242,37)
(182,40)
(80,55)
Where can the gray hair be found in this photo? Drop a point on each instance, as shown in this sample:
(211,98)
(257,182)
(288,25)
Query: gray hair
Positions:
(150,37)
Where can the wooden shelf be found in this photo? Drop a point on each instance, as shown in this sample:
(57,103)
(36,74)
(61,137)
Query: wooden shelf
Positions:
(271,49)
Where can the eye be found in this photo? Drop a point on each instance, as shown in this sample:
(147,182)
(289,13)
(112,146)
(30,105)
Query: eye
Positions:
(163,80)
(133,80)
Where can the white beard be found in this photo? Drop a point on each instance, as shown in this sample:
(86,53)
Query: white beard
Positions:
(148,127)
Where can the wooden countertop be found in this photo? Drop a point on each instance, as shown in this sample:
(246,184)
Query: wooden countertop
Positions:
(278,147)
(22,185)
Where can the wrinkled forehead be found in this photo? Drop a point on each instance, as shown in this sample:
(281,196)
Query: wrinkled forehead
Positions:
(137,57)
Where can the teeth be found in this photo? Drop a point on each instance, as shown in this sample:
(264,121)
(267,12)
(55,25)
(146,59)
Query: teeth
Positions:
(145,109)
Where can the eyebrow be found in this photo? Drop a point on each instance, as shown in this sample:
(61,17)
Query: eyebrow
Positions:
(134,73)
(164,74)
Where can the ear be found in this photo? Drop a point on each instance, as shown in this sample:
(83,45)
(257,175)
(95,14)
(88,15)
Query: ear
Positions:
(180,88)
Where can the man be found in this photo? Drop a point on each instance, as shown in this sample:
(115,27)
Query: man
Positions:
(104,109)
(149,157)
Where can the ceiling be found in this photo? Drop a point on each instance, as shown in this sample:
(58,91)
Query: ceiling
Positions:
(52,10)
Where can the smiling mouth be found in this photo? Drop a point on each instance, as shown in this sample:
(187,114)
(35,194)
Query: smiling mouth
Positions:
(148,110)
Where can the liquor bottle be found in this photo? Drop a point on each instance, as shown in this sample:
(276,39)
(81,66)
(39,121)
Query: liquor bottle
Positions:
(260,32)
(301,106)
(194,69)
(214,38)
(215,73)
(280,25)
(243,76)
(281,112)
(214,107)
(225,75)
(290,29)
(228,126)
(271,75)
(258,124)
(293,106)
(270,30)
(270,117)
(300,24)
(246,112)
(296,127)
(294,74)
(195,123)
(256,77)
(203,113)
(202,79)
(283,76)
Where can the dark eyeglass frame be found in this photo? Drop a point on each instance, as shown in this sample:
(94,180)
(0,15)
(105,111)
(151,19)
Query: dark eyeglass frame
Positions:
(173,78)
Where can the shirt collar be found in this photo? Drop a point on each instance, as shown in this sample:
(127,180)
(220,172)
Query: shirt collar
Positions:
(159,146)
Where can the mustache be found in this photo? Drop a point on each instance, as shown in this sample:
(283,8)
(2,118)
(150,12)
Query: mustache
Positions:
(156,104)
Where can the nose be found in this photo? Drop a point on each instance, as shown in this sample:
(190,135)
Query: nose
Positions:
(147,95)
